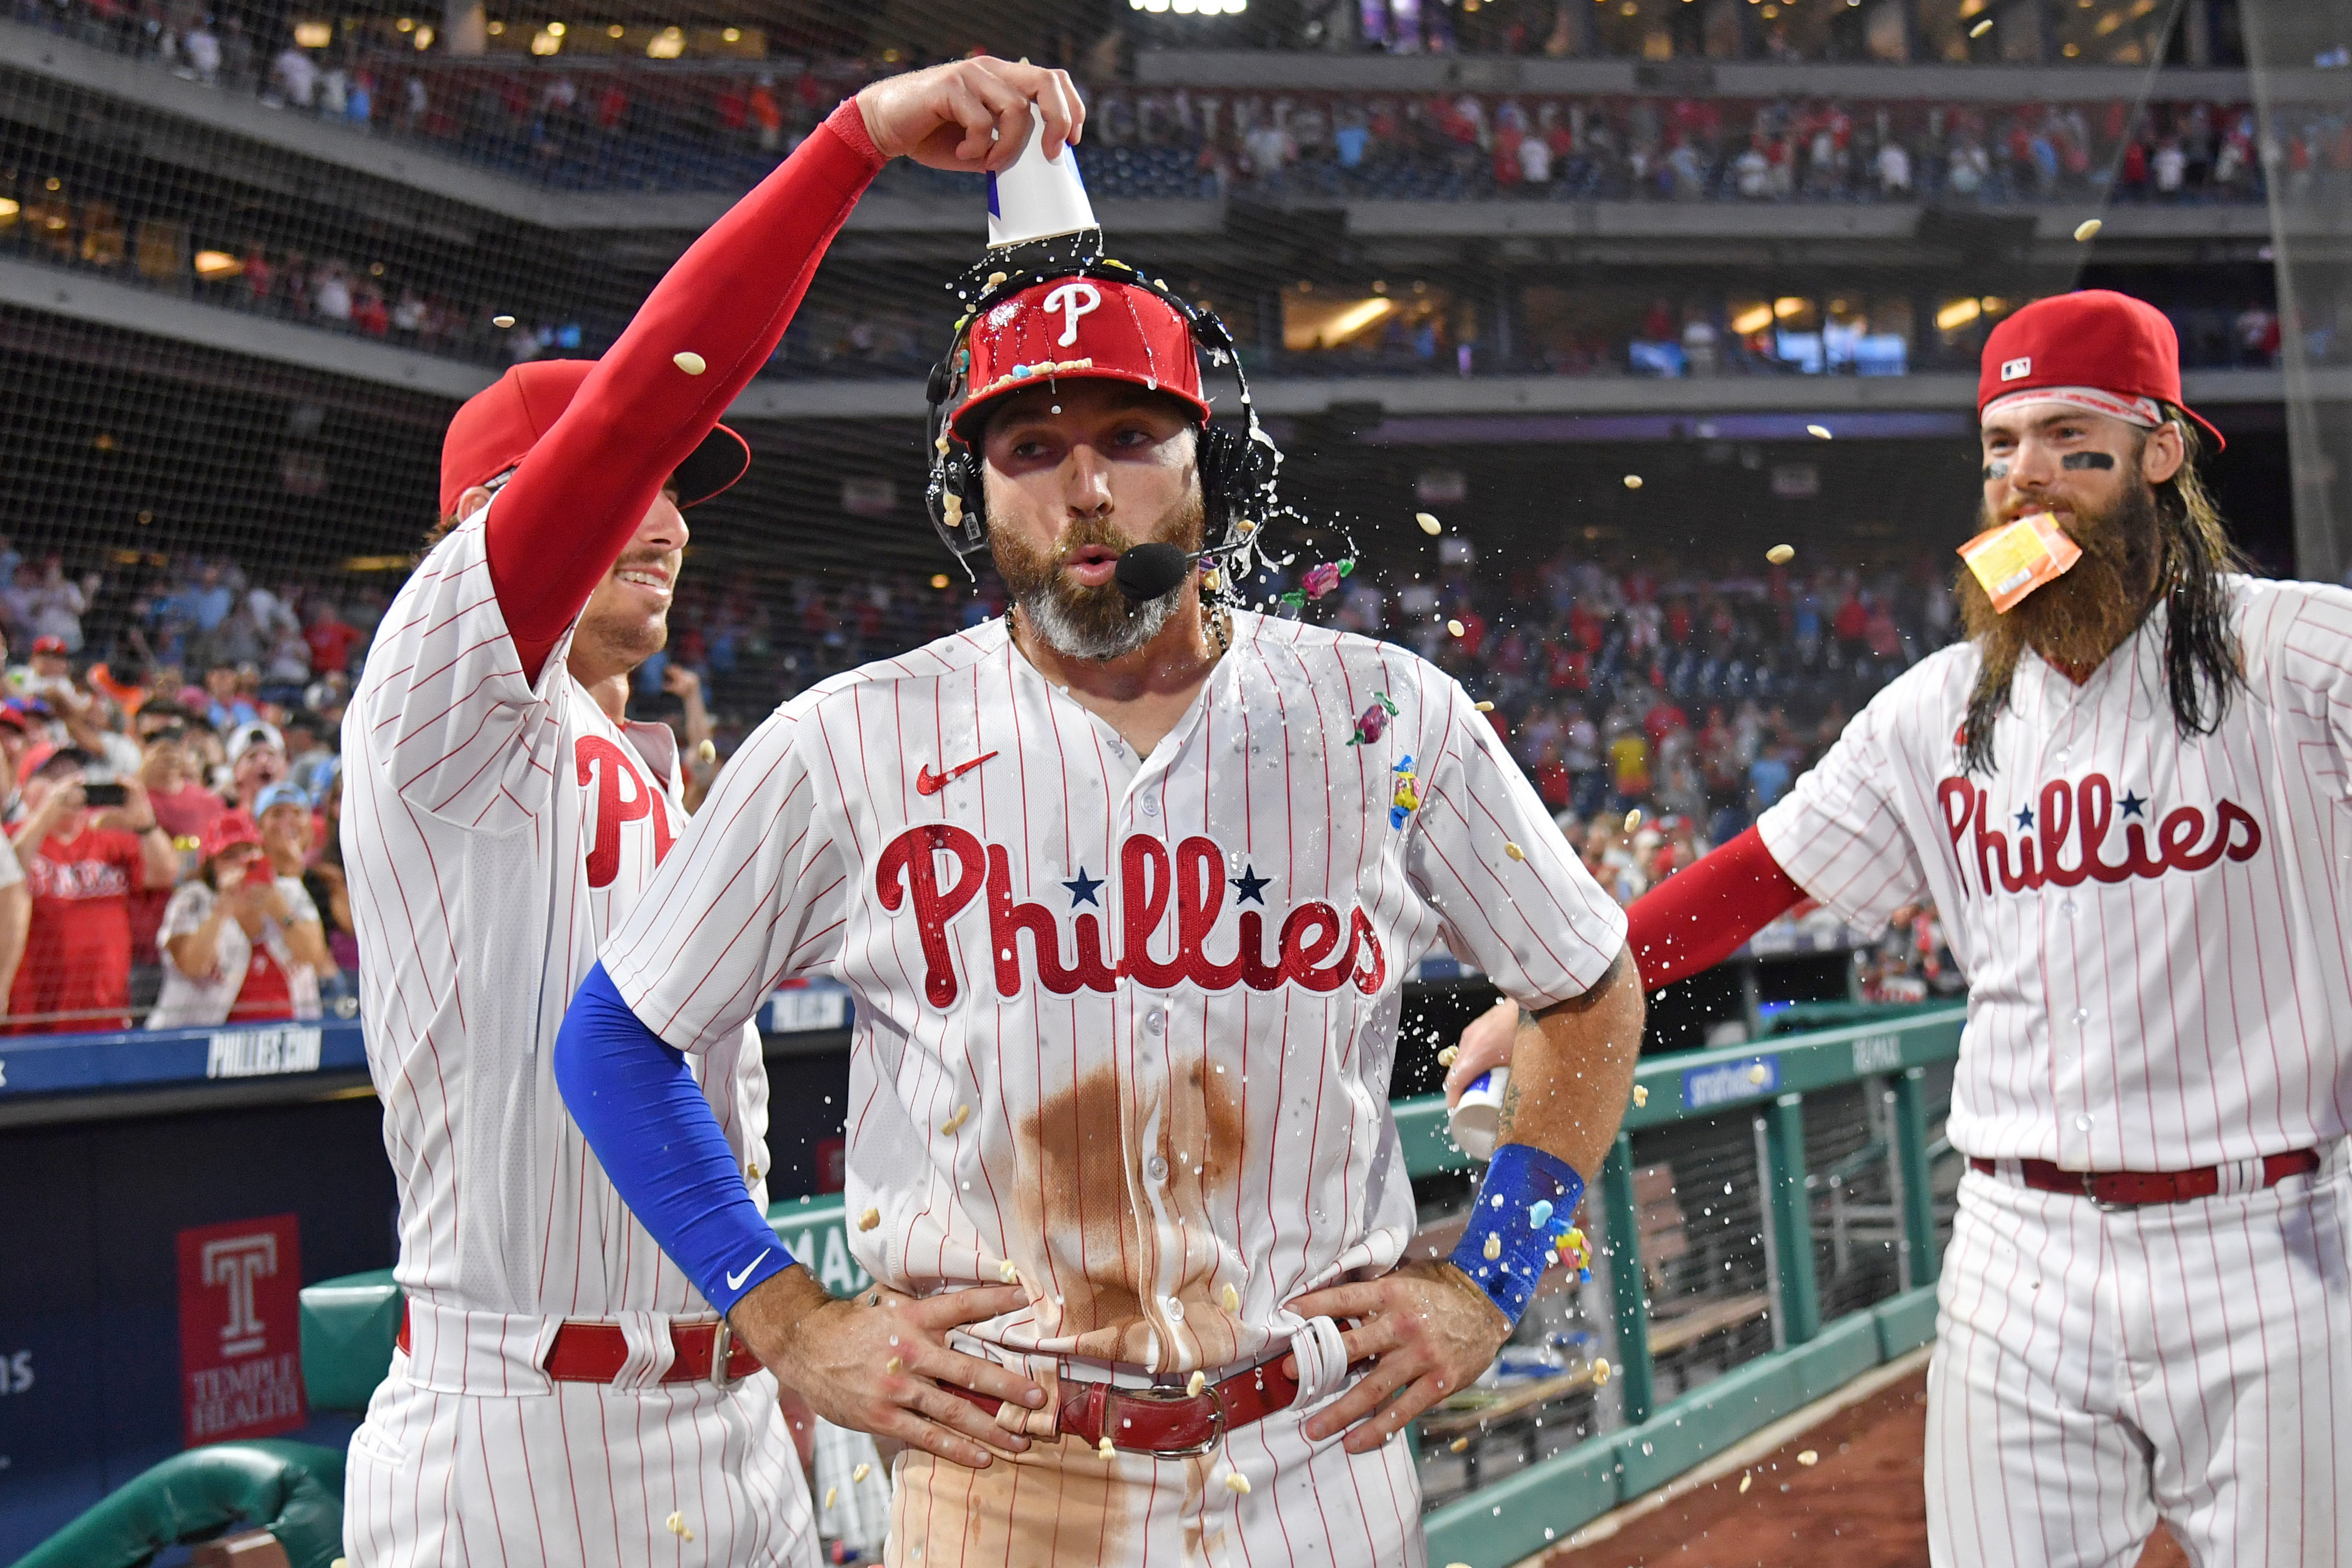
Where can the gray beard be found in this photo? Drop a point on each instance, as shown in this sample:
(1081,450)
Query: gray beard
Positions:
(1085,638)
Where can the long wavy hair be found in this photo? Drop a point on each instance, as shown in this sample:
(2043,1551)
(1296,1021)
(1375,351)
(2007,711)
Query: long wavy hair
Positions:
(2204,667)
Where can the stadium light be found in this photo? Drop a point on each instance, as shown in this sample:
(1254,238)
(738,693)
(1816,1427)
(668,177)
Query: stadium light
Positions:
(9,208)
(666,45)
(1958,314)
(313,34)
(424,37)
(214,265)
(547,40)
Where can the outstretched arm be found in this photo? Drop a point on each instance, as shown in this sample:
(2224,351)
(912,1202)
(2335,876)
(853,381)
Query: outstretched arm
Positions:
(576,499)
(1690,922)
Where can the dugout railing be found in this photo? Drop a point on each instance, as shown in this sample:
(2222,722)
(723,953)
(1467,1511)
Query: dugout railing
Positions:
(1738,1277)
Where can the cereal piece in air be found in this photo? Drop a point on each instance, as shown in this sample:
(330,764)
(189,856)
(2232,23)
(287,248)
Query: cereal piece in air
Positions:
(676,1525)
(1747,1480)
(1818,432)
(828,1496)
(1602,1372)
(1808,1457)
(1105,1449)
(955,1120)
(1231,1298)
(1494,1247)
(1237,1483)
(502,322)
(1759,1073)
(1780,555)
(1514,850)
(869,1219)
(1640,1093)
(2088,230)
(858,1475)
(1200,1380)
(1458,1444)
(1486,707)
(1429,525)
(1454,627)
(1007,1272)
(1445,1058)
(689,362)
(1633,481)
(1634,820)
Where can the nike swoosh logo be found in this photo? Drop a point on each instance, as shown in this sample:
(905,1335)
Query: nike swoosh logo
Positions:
(927,782)
(735,1281)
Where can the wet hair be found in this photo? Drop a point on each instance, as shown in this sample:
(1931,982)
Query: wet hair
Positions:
(2204,667)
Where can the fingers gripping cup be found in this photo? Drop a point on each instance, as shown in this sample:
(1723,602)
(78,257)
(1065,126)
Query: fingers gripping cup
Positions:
(1474,1116)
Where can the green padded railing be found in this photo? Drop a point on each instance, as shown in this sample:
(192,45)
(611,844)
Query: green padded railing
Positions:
(294,1491)
(348,1323)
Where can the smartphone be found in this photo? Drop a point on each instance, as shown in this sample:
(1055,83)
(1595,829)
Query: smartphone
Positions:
(105,795)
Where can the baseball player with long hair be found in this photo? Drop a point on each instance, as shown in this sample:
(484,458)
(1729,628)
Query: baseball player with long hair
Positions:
(1125,886)
(2127,793)
(561,1392)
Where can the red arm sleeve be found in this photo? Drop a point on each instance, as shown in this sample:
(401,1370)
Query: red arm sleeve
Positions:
(571,508)
(1699,917)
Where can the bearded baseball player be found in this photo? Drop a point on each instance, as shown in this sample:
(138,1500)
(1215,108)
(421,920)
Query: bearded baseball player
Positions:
(561,1392)
(2126,793)
(1125,886)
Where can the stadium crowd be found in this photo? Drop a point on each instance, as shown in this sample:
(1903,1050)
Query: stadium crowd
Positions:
(604,124)
(172,787)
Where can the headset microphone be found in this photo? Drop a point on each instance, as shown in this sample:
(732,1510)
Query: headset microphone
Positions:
(1149,571)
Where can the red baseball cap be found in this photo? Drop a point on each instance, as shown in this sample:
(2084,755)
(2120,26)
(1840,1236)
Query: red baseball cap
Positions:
(2093,341)
(50,644)
(498,425)
(1070,329)
(229,830)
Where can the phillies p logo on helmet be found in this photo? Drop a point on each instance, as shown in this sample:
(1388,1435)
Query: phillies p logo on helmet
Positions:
(1072,300)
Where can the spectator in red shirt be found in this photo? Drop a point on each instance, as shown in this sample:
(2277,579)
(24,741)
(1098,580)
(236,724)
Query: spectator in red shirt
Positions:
(330,637)
(240,945)
(81,867)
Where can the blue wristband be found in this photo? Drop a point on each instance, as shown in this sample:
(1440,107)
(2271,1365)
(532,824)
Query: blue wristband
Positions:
(1522,1224)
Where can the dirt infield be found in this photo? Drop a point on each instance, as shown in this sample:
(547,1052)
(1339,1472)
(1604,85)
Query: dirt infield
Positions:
(1858,1505)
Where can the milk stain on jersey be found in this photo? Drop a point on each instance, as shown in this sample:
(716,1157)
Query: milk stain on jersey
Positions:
(1057,1502)
(1084,1179)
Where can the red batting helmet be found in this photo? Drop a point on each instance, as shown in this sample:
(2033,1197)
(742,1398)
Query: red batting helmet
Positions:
(2094,340)
(1077,327)
(500,424)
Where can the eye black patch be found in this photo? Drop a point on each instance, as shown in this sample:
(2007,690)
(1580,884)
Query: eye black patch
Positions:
(2076,460)
(1997,469)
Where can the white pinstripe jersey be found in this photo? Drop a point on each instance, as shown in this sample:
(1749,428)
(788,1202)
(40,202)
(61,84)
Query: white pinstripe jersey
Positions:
(2153,927)
(494,832)
(1125,1022)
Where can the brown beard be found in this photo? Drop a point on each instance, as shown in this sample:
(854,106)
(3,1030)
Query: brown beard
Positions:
(2073,621)
(1091,622)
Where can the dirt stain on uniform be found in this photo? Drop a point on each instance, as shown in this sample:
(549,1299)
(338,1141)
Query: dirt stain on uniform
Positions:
(1084,1201)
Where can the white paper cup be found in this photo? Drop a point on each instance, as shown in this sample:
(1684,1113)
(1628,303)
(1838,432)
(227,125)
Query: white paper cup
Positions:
(1473,1118)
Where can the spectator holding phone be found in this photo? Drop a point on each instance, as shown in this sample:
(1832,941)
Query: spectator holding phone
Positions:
(239,945)
(82,849)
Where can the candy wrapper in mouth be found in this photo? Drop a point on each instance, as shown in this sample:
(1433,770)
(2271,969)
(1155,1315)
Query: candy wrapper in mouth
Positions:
(2017,557)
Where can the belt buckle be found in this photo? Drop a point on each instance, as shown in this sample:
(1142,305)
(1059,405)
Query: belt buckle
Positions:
(2105,1206)
(723,1345)
(1158,1395)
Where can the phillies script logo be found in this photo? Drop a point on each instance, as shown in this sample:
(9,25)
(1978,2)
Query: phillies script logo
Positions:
(2079,820)
(1307,952)
(622,796)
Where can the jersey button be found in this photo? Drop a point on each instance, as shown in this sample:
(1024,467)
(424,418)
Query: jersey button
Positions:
(2065,752)
(1156,1022)
(2081,1014)
(1156,1168)
(2082,1123)
(1175,1309)
(2067,909)
(1151,806)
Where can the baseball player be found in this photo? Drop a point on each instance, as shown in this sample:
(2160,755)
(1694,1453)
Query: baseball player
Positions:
(1125,886)
(561,1393)
(2126,793)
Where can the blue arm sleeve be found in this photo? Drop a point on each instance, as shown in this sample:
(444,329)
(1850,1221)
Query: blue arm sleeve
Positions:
(636,1100)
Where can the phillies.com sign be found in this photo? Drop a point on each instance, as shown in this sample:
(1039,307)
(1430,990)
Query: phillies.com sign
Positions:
(240,1328)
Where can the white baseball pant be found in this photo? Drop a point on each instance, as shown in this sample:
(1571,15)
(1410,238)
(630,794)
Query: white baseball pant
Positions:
(2098,1369)
(471,1457)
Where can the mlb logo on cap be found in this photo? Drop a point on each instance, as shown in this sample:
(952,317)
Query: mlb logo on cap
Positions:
(2017,370)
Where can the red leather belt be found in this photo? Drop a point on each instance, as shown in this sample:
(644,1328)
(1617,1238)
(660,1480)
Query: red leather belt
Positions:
(2133,1190)
(595,1352)
(1167,1423)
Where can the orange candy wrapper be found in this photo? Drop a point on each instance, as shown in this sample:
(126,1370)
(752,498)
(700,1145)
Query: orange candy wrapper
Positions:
(2015,559)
